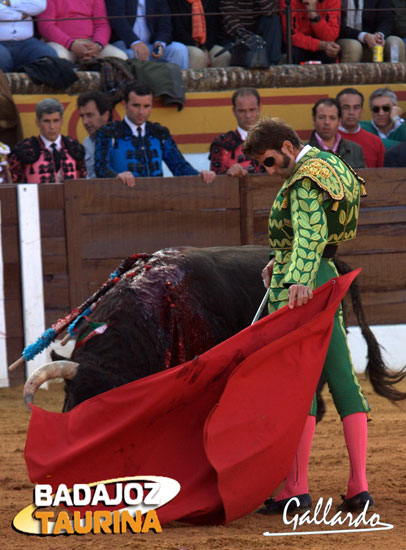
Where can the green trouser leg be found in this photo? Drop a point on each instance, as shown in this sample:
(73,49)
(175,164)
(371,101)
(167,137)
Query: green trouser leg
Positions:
(338,369)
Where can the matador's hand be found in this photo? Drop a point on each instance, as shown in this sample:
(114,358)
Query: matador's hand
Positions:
(267,273)
(300,294)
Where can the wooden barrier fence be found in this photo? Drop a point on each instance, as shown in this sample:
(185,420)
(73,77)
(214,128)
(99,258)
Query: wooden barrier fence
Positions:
(89,226)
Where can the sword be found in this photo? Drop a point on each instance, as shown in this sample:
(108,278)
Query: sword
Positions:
(261,306)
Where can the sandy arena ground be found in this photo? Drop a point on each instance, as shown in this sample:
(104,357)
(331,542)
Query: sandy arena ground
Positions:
(328,473)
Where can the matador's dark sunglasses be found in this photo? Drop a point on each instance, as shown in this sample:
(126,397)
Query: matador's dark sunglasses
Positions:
(269,162)
(385,108)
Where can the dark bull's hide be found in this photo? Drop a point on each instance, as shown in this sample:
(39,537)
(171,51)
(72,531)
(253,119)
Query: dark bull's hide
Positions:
(176,304)
(167,309)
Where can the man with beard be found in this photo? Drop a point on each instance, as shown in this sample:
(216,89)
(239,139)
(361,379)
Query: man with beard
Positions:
(315,210)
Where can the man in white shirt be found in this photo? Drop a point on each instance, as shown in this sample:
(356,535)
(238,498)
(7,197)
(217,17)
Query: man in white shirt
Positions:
(50,157)
(17,43)
(226,156)
(135,147)
(143,30)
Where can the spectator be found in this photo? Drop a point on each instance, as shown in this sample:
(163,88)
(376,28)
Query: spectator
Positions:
(143,37)
(326,137)
(18,46)
(10,126)
(240,22)
(386,120)
(399,20)
(351,102)
(50,157)
(80,32)
(314,33)
(135,148)
(362,29)
(5,176)
(396,156)
(226,156)
(199,32)
(95,110)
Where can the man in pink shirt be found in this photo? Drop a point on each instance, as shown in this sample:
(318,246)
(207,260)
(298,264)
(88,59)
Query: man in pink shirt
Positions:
(351,102)
(81,30)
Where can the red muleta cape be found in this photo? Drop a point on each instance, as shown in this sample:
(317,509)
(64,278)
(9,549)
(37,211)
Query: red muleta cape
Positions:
(225,425)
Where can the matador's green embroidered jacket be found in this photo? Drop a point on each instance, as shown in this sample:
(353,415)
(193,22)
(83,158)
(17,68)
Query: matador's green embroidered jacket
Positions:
(317,205)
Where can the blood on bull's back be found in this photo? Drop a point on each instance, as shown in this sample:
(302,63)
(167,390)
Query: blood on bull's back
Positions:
(168,308)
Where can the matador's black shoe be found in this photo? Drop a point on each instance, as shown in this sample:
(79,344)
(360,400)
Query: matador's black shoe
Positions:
(356,503)
(272,506)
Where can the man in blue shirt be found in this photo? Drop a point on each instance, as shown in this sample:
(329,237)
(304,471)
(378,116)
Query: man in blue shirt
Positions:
(135,148)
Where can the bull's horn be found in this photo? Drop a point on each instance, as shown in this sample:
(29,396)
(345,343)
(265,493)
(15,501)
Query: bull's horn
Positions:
(49,371)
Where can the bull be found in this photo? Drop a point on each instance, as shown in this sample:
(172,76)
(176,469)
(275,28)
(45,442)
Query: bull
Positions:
(169,307)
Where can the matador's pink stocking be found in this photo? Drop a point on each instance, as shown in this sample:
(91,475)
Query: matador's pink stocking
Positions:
(356,435)
(296,481)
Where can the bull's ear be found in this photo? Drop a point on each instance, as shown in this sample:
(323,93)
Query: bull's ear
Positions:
(56,357)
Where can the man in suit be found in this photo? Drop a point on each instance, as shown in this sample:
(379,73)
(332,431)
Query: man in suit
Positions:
(50,157)
(326,137)
(143,37)
(135,148)
(226,156)
(363,27)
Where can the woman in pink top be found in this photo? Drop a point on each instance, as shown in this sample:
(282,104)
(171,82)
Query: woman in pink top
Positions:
(79,30)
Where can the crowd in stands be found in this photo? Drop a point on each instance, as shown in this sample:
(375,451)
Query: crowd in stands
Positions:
(192,35)
(338,127)
(135,147)
(189,33)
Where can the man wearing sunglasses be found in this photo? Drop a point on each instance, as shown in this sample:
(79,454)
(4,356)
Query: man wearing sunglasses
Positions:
(315,210)
(386,120)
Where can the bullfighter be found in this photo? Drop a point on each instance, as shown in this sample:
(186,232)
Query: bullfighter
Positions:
(315,210)
(50,157)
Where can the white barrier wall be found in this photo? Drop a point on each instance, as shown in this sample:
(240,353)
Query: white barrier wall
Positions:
(31,270)
(3,341)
